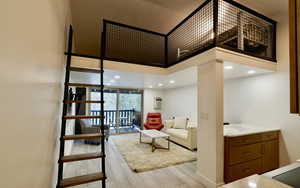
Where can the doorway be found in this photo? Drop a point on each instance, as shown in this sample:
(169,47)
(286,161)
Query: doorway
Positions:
(122,109)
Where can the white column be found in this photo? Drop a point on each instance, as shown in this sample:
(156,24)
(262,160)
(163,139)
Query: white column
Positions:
(210,129)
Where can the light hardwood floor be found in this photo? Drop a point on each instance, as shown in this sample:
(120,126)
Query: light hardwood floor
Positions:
(121,176)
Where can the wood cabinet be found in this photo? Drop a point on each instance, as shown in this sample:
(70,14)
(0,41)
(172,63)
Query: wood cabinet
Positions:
(294,29)
(250,154)
(270,156)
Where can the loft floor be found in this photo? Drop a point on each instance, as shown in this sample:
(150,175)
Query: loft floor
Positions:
(120,175)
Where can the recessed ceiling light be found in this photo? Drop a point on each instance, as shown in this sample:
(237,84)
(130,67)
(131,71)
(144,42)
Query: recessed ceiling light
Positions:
(251,72)
(117,77)
(150,86)
(112,81)
(160,84)
(228,67)
(172,81)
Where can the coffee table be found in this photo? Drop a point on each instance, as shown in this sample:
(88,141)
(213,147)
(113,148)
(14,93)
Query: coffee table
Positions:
(155,134)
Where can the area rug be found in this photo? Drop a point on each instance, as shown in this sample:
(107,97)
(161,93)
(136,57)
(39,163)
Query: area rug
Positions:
(140,158)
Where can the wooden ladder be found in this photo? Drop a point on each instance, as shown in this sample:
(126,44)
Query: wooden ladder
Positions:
(100,176)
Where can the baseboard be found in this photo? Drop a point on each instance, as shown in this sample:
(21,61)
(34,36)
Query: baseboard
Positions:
(207,182)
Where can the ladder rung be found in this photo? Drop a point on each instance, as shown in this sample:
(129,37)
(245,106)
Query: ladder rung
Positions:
(82,85)
(81,157)
(82,136)
(79,101)
(84,117)
(68,182)
(78,69)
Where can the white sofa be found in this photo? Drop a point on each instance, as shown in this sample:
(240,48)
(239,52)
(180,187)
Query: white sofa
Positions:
(182,131)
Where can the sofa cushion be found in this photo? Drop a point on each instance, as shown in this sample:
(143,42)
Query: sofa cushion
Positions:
(180,122)
(180,133)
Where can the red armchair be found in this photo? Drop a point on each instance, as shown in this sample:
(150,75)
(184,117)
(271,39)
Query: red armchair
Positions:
(154,121)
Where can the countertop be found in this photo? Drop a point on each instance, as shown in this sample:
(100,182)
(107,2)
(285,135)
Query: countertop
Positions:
(264,180)
(234,130)
(256,181)
(282,170)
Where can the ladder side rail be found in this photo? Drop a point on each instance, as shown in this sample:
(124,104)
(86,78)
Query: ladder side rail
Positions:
(65,106)
(103,41)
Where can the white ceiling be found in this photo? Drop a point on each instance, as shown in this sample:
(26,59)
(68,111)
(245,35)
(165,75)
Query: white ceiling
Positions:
(181,78)
(271,8)
(157,15)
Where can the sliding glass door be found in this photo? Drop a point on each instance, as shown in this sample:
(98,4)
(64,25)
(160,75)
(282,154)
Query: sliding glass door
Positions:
(130,110)
(122,109)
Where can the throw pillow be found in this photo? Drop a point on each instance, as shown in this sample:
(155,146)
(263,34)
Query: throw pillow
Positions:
(180,122)
(191,125)
(154,121)
(169,123)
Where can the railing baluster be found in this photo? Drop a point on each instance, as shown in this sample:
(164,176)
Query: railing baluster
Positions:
(130,118)
(111,118)
(120,115)
(96,120)
(98,115)
(105,117)
(126,120)
(114,118)
(126,117)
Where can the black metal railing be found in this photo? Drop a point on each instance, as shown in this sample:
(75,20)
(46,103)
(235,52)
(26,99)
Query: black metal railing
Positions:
(216,23)
(244,30)
(130,44)
(124,119)
(193,35)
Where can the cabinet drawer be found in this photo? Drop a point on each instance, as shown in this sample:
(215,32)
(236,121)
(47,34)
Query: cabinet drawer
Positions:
(270,136)
(245,153)
(244,140)
(243,170)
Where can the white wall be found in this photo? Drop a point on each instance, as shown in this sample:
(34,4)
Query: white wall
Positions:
(181,101)
(33,38)
(264,100)
(149,95)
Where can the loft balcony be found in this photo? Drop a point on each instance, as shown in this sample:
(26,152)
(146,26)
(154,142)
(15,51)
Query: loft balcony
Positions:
(216,23)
